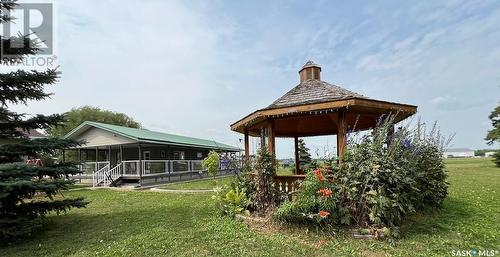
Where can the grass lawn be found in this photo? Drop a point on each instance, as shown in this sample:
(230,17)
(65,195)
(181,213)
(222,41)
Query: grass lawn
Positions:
(282,171)
(200,184)
(147,223)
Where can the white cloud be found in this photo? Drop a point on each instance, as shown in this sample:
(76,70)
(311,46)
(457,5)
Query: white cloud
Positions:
(194,68)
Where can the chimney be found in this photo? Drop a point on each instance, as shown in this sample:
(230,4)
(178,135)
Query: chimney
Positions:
(310,70)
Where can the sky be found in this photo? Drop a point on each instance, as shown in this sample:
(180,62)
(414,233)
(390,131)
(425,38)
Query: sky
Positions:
(195,67)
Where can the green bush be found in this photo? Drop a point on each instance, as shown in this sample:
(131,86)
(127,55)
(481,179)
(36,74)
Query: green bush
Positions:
(265,197)
(382,178)
(308,204)
(211,163)
(231,201)
(496,158)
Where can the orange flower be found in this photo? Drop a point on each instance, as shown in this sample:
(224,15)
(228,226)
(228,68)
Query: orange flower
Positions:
(326,192)
(323,214)
(319,175)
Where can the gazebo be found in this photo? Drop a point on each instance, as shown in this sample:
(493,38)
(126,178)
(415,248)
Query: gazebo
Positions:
(314,108)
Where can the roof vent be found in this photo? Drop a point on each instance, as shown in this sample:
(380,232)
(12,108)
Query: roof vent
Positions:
(310,70)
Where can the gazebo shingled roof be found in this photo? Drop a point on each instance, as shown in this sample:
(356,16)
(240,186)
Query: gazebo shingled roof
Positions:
(313,91)
(315,107)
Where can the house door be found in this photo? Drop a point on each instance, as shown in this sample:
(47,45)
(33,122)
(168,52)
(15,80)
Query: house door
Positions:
(146,156)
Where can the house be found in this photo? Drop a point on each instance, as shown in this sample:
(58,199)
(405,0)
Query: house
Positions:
(30,134)
(458,153)
(116,155)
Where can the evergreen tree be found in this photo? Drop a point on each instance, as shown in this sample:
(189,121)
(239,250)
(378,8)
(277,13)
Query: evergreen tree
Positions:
(494,134)
(28,192)
(304,156)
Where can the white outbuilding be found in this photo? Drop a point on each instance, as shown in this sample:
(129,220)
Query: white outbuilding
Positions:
(458,153)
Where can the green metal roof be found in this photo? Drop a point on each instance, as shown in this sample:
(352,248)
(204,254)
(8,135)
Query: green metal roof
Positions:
(144,135)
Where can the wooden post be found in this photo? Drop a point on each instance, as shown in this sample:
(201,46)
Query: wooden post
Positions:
(121,160)
(271,139)
(121,153)
(140,164)
(109,155)
(96,158)
(341,132)
(247,146)
(297,158)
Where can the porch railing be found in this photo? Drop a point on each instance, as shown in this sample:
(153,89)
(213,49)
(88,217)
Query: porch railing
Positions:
(131,168)
(89,168)
(152,167)
(100,176)
(103,174)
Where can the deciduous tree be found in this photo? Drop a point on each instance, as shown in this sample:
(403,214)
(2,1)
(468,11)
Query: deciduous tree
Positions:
(77,116)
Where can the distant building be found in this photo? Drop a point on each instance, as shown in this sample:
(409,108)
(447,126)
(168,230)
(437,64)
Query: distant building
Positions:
(31,134)
(458,153)
(489,154)
(287,162)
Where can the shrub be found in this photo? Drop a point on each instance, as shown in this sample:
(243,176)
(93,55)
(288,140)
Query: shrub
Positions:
(496,158)
(244,179)
(265,194)
(211,163)
(231,200)
(316,202)
(382,178)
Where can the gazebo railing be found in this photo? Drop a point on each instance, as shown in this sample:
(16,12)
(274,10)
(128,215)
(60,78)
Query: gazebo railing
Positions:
(288,184)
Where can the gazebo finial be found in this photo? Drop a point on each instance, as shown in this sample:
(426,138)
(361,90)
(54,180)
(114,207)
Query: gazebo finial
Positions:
(310,70)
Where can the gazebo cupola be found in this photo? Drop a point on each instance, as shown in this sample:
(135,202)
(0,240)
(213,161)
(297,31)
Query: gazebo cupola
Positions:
(315,108)
(310,70)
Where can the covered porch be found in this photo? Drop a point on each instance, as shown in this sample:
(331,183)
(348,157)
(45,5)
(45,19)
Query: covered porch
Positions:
(113,155)
(147,163)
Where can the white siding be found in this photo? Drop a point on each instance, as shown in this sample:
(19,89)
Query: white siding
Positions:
(99,137)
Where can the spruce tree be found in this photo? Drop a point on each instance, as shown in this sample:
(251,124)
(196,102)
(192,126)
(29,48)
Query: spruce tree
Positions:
(28,192)
(304,156)
(493,135)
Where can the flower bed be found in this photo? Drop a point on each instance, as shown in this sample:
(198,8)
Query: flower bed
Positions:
(382,178)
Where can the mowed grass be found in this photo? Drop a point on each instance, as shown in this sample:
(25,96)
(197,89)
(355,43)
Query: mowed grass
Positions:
(164,224)
(204,184)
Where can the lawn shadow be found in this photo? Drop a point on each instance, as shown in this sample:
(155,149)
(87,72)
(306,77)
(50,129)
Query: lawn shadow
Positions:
(438,220)
(76,232)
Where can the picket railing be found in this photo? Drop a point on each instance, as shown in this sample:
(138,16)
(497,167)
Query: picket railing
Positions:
(288,184)
(114,174)
(100,176)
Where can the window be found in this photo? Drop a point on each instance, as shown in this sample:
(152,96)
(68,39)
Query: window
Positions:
(178,155)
